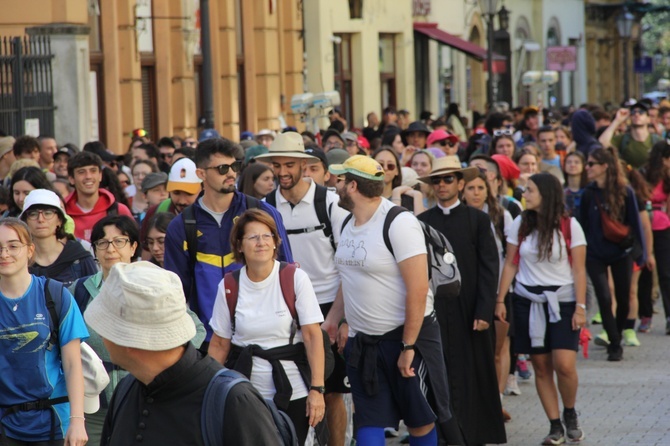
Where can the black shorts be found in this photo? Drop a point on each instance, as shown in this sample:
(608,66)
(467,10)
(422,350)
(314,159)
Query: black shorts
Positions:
(559,335)
(337,382)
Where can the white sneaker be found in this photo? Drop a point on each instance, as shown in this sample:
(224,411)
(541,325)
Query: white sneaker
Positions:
(512,387)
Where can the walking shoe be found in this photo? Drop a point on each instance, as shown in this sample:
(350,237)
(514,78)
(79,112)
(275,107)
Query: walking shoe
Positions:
(597,319)
(512,387)
(630,338)
(614,353)
(602,339)
(522,368)
(645,325)
(556,436)
(572,428)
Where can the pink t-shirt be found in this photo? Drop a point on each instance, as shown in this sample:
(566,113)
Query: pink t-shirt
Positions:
(659,201)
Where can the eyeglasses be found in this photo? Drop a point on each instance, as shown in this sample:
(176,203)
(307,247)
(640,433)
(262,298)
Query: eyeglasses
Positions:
(637,111)
(500,132)
(258,237)
(159,240)
(350,143)
(341,178)
(593,163)
(390,166)
(117,242)
(446,178)
(223,169)
(165,156)
(13,249)
(48,214)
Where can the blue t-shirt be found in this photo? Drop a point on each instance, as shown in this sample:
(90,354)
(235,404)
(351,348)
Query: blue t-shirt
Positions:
(31,371)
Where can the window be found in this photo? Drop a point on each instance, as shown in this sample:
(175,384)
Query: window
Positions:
(342,75)
(355,9)
(96,73)
(387,70)
(149,99)
(241,86)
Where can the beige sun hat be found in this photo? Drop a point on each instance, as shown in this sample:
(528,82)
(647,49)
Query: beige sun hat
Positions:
(450,164)
(289,144)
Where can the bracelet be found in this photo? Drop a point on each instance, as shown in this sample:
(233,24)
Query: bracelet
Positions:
(76,416)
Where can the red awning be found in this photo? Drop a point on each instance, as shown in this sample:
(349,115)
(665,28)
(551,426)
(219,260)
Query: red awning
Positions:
(471,49)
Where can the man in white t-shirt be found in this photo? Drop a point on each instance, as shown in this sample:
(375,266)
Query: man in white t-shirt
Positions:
(394,342)
(303,205)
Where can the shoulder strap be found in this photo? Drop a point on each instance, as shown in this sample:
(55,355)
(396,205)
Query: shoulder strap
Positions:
(253,203)
(346,220)
(392,214)
(214,405)
(164,206)
(323,212)
(53,288)
(191,232)
(231,285)
(566,230)
(625,140)
(113,209)
(270,199)
(287,283)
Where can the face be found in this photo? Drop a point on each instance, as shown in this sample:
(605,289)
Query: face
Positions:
(388,162)
(124,180)
(317,172)
(573,165)
(139,172)
(417,139)
(373,120)
(17,262)
(475,193)
(166,153)
(665,120)
(397,145)
(594,170)
(212,180)
(190,142)
(21,190)
(448,188)
(562,137)
(653,115)
(288,171)
(343,190)
(491,175)
(156,244)
(265,183)
(547,143)
(532,196)
(333,142)
(421,164)
(533,122)
(42,222)
(260,250)
(156,194)
(86,180)
(48,148)
(113,255)
(34,155)
(139,154)
(60,165)
(181,199)
(505,147)
(639,117)
(528,164)
(352,147)
(265,140)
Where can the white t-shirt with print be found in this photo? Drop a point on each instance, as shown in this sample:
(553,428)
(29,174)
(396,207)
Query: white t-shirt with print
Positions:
(263,318)
(374,290)
(555,271)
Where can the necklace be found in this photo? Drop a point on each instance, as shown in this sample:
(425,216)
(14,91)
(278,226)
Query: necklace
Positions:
(15,307)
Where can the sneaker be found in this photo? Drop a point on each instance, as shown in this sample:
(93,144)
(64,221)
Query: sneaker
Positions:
(572,428)
(645,325)
(556,436)
(602,339)
(389,432)
(522,368)
(614,353)
(512,387)
(597,319)
(630,338)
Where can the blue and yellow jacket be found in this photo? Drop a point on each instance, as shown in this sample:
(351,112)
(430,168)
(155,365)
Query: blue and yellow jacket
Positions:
(214,258)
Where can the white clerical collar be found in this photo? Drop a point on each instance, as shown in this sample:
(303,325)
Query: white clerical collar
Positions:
(447,211)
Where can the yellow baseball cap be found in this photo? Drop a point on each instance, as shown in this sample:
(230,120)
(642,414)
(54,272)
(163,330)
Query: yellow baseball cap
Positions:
(359,165)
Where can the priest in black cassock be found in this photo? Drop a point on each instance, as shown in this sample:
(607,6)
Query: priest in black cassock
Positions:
(466,323)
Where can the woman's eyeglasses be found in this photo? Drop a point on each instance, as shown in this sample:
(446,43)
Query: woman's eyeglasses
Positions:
(117,242)
(506,132)
(13,249)
(446,178)
(223,169)
(258,237)
(593,163)
(48,214)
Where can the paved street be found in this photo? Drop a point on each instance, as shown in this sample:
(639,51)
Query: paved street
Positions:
(626,403)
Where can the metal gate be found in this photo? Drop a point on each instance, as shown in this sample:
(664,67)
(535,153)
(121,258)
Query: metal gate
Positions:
(26,84)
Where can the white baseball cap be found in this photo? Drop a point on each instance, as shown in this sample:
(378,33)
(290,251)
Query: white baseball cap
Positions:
(183,177)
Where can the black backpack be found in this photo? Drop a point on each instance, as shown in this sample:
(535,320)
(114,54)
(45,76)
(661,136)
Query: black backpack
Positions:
(322,212)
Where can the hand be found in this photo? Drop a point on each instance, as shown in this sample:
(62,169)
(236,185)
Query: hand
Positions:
(407,154)
(400,190)
(342,336)
(622,115)
(330,328)
(405,364)
(651,262)
(315,407)
(578,319)
(501,311)
(76,433)
(481,325)
(523,179)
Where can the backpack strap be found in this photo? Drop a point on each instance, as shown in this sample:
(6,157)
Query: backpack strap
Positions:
(231,285)
(323,212)
(253,203)
(113,210)
(390,216)
(214,405)
(345,221)
(191,232)
(271,198)
(566,230)
(53,288)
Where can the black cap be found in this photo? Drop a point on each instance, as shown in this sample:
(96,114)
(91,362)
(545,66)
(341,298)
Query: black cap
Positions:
(639,104)
(319,154)
(416,126)
(331,132)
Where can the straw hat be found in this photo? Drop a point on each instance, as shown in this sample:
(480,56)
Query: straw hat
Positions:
(450,164)
(289,144)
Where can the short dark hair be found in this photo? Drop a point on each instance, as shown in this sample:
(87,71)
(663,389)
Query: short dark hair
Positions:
(188,152)
(25,144)
(166,141)
(546,129)
(83,159)
(213,146)
(237,232)
(125,224)
(367,188)
(151,150)
(32,175)
(599,114)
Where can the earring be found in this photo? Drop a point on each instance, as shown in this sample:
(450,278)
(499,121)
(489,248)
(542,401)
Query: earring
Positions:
(274,247)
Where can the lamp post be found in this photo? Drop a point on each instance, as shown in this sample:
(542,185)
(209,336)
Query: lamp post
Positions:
(624,24)
(488,8)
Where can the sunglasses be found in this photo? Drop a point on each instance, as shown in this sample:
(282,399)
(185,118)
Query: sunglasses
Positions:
(501,132)
(447,143)
(448,179)
(390,167)
(593,163)
(638,111)
(223,169)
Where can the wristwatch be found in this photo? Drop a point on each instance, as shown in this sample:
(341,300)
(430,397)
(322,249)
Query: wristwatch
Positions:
(582,306)
(320,389)
(406,347)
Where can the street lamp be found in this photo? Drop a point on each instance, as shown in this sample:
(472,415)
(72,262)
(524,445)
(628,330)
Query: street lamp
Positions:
(503,18)
(488,8)
(624,24)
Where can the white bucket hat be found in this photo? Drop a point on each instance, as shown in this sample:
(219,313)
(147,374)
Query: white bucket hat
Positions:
(289,144)
(42,197)
(141,306)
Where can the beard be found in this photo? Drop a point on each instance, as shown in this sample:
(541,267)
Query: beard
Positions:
(345,202)
(227,189)
(294,181)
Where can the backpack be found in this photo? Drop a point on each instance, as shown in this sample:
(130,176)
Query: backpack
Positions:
(566,230)
(113,209)
(322,212)
(625,141)
(231,282)
(443,273)
(214,405)
(191,232)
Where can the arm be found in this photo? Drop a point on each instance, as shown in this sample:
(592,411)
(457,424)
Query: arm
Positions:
(508,273)
(176,258)
(579,276)
(414,271)
(633,218)
(74,381)
(488,264)
(334,316)
(621,117)
(649,238)
(313,339)
(219,348)
(200,331)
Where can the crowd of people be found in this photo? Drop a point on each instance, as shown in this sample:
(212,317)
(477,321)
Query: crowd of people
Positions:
(303,261)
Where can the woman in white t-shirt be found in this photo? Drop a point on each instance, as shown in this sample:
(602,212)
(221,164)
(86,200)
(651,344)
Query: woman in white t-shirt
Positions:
(549,298)
(262,325)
